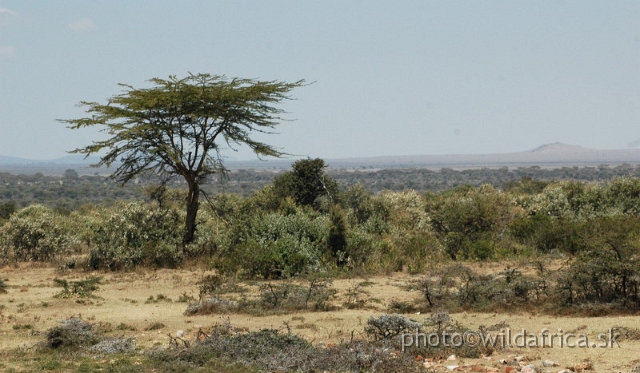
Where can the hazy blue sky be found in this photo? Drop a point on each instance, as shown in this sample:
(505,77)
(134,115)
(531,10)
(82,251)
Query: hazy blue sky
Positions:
(391,78)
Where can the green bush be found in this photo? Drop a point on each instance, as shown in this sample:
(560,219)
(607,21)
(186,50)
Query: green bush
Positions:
(469,221)
(275,245)
(82,288)
(607,271)
(35,233)
(624,194)
(136,234)
(6,209)
(548,234)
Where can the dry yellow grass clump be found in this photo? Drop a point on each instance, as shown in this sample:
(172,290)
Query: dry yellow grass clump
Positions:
(148,305)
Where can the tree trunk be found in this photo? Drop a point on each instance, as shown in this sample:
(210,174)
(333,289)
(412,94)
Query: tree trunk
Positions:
(192,212)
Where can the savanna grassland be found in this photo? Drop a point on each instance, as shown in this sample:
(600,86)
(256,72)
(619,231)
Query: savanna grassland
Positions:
(306,274)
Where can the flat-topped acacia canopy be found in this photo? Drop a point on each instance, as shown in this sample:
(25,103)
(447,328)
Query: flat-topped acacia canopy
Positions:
(177,127)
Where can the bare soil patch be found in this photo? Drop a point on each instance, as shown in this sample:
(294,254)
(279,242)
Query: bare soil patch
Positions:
(146,305)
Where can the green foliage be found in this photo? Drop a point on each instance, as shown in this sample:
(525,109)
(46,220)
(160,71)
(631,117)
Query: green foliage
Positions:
(6,209)
(82,288)
(525,185)
(608,269)
(275,246)
(337,241)
(624,193)
(307,184)
(549,235)
(293,297)
(177,127)
(457,287)
(35,233)
(137,234)
(469,221)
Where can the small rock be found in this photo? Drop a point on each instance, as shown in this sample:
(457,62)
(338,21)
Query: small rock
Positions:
(518,358)
(427,364)
(528,369)
(452,357)
(549,363)
(582,367)
(180,333)
(502,361)
(452,367)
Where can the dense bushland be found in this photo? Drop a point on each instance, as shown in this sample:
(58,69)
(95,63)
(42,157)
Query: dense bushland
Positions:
(69,191)
(279,232)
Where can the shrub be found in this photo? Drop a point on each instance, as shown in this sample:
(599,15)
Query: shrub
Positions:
(273,297)
(337,241)
(624,193)
(356,296)
(470,220)
(266,348)
(390,326)
(458,287)
(83,288)
(275,246)
(269,350)
(136,234)
(210,306)
(35,233)
(73,332)
(608,270)
(6,209)
(115,345)
(288,296)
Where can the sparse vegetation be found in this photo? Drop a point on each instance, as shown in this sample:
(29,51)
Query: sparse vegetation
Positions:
(535,246)
(82,288)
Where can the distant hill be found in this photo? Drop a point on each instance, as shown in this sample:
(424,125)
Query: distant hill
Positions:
(56,166)
(560,148)
(12,160)
(70,159)
(546,156)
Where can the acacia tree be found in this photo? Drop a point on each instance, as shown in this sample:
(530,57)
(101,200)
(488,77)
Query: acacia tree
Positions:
(179,126)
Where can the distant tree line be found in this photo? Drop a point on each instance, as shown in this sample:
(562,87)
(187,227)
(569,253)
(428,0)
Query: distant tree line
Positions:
(70,191)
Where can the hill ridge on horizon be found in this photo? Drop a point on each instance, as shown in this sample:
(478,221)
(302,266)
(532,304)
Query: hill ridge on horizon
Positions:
(550,155)
(548,147)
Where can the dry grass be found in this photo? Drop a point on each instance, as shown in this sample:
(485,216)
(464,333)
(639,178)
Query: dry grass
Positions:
(121,302)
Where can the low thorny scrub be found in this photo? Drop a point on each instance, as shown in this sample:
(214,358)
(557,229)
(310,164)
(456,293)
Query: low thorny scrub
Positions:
(272,298)
(269,349)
